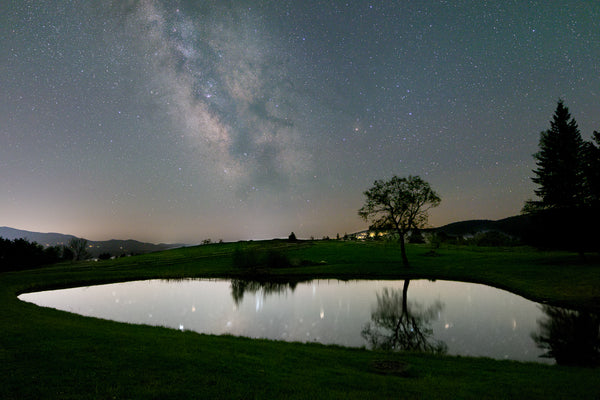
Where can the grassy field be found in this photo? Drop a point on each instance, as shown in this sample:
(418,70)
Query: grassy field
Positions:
(53,354)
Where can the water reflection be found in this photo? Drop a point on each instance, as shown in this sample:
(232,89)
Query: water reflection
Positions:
(240,286)
(397,324)
(570,337)
(472,320)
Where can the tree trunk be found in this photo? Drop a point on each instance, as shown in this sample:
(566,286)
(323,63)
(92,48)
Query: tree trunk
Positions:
(403,251)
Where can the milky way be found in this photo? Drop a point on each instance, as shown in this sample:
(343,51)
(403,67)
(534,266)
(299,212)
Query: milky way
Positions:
(225,87)
(186,120)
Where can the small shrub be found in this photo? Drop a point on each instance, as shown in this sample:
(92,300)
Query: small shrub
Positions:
(276,259)
(253,258)
(245,258)
(416,237)
(435,240)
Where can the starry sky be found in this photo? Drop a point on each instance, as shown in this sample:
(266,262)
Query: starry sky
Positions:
(178,121)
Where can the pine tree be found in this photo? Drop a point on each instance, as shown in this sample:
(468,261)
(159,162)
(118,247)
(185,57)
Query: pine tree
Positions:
(591,170)
(568,179)
(559,171)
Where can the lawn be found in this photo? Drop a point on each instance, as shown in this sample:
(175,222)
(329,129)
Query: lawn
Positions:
(47,353)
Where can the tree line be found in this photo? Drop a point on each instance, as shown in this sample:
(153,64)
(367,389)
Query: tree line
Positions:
(19,254)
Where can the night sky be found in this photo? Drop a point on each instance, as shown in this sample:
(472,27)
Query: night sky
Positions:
(178,121)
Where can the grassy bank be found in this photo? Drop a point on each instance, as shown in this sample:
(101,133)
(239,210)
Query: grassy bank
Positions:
(52,354)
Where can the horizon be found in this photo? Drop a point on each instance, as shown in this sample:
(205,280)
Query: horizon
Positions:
(217,240)
(177,121)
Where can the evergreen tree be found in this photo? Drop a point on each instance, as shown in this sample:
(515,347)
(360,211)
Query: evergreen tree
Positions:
(591,171)
(568,179)
(559,171)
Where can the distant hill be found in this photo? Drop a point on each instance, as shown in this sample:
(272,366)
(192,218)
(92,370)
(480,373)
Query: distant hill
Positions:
(45,239)
(95,248)
(517,226)
(514,226)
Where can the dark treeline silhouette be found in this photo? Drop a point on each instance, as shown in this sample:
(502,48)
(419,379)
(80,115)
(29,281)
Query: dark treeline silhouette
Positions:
(22,254)
(568,187)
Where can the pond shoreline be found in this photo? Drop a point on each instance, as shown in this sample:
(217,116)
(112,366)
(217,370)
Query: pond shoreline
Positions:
(455,315)
(555,278)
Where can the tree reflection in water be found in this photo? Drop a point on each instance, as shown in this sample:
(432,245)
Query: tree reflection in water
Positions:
(570,337)
(239,287)
(397,325)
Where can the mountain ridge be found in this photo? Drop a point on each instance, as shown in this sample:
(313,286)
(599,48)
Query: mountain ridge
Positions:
(115,247)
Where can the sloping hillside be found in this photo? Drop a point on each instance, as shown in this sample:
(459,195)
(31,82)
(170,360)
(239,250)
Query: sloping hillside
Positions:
(514,226)
(95,248)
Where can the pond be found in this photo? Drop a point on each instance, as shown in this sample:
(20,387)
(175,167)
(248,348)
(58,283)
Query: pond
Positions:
(437,316)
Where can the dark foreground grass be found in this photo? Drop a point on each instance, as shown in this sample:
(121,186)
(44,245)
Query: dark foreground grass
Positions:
(52,354)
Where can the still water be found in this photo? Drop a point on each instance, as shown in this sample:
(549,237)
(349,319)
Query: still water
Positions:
(452,317)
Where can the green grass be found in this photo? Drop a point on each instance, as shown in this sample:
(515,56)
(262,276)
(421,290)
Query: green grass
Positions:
(47,353)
